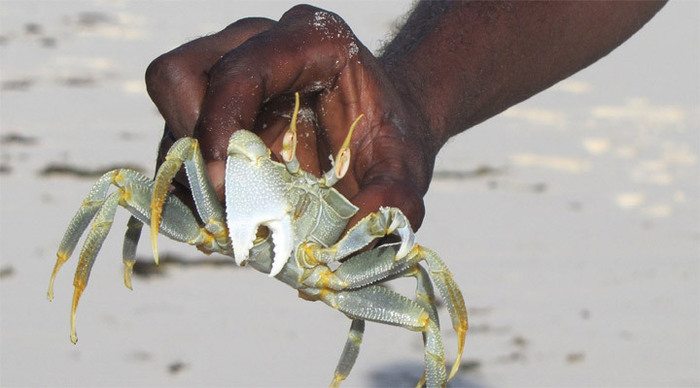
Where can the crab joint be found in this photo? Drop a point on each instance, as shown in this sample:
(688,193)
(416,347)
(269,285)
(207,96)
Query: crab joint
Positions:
(321,277)
(305,255)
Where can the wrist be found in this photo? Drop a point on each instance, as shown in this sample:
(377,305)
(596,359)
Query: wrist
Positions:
(428,125)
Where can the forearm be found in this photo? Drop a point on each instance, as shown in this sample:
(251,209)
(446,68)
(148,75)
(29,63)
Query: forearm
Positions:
(463,62)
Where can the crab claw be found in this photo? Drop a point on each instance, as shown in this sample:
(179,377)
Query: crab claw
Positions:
(259,202)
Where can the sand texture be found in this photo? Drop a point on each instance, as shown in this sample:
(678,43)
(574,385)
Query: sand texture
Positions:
(571,221)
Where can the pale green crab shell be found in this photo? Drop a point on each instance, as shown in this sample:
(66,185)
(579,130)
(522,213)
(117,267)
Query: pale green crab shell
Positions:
(294,207)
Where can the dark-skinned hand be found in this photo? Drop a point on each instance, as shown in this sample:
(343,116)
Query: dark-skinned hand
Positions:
(452,65)
(244,77)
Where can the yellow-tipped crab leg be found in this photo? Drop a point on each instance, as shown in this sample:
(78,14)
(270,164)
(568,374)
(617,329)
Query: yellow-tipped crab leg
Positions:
(380,264)
(350,352)
(178,222)
(425,296)
(93,242)
(380,304)
(88,208)
(131,241)
(449,290)
(186,151)
(134,194)
(386,221)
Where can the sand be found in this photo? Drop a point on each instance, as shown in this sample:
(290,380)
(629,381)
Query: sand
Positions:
(571,221)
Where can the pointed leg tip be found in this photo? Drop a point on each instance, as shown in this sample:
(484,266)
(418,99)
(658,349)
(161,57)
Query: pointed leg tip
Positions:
(156,257)
(61,258)
(77,292)
(49,291)
(421,381)
(128,270)
(337,379)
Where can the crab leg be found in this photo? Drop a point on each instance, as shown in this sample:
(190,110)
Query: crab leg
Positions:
(186,151)
(379,304)
(93,242)
(134,193)
(386,221)
(425,296)
(350,352)
(178,222)
(89,207)
(449,290)
(131,241)
(380,264)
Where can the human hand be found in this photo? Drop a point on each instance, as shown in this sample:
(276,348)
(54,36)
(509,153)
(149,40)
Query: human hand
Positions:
(244,77)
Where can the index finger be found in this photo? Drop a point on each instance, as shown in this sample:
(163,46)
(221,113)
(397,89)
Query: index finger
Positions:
(296,54)
(177,80)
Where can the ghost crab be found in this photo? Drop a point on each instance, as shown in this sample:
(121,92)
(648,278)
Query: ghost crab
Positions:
(284,222)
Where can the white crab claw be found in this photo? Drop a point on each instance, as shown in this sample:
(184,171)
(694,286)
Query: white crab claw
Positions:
(242,237)
(408,240)
(255,195)
(282,238)
(399,226)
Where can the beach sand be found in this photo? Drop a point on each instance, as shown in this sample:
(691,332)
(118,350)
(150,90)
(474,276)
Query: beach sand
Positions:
(570,221)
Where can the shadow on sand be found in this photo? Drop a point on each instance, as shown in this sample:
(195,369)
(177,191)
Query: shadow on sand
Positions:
(406,374)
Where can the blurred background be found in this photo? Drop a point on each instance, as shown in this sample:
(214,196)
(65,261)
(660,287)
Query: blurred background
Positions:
(571,221)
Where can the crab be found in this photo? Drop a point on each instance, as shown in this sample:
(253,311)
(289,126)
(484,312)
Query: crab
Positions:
(287,223)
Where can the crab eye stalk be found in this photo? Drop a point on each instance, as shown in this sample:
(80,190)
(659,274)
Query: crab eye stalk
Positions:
(342,160)
(289,143)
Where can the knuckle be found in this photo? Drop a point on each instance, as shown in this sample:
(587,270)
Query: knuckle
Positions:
(324,28)
(318,18)
(164,72)
(241,70)
(250,23)
(302,10)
